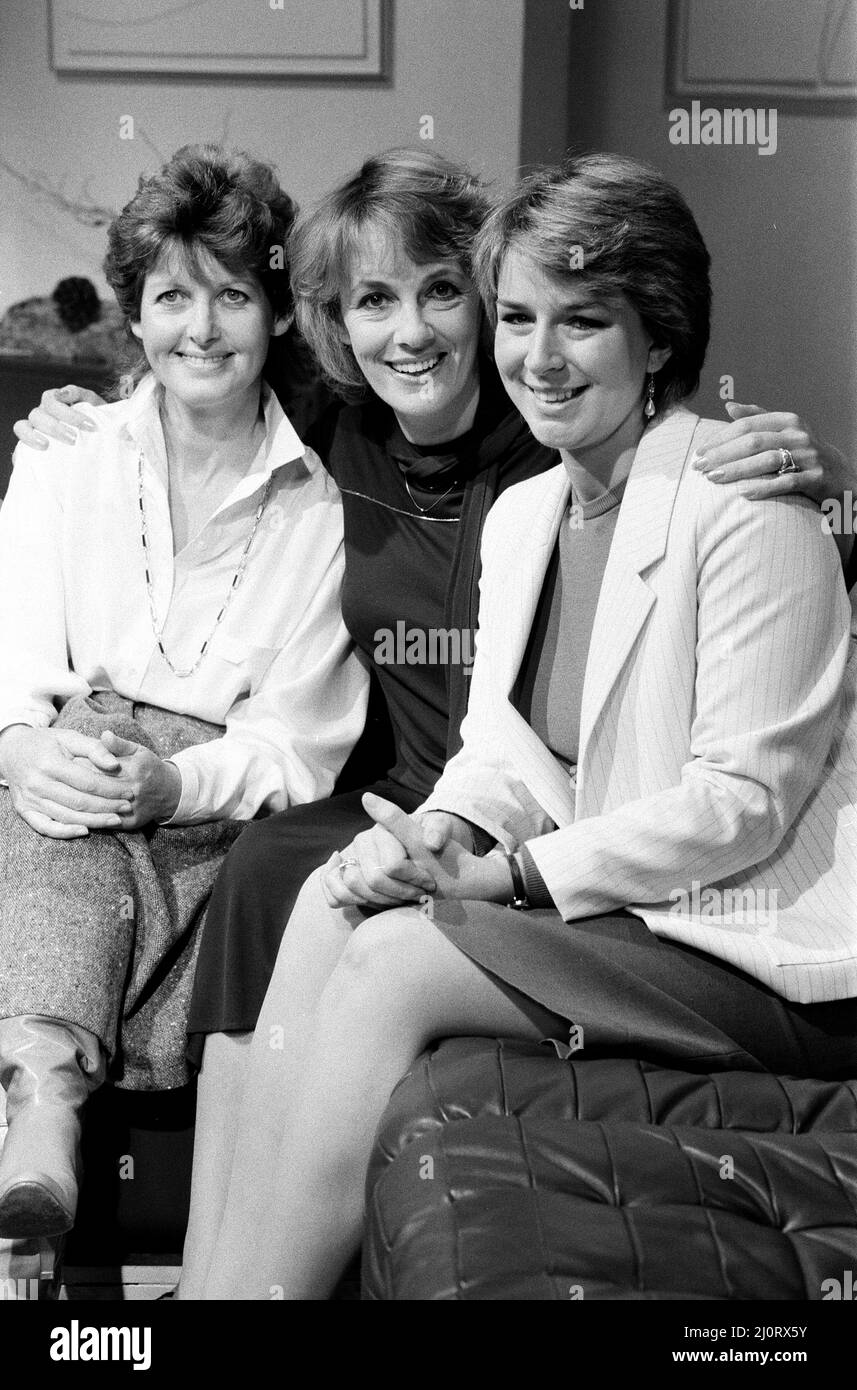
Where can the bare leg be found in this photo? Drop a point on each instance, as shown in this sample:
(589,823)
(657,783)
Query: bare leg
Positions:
(312,945)
(221,1087)
(293,1221)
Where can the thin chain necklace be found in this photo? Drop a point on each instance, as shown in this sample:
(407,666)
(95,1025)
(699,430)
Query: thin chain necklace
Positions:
(400,511)
(424,511)
(236,578)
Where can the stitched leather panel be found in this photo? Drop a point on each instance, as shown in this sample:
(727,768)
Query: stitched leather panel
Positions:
(508,1208)
(503,1172)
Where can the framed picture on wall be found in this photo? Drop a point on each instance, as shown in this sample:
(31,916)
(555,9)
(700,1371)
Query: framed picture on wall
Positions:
(304,39)
(791,49)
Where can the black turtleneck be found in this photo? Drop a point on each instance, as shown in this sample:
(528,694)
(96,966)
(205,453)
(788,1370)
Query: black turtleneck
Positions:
(410,595)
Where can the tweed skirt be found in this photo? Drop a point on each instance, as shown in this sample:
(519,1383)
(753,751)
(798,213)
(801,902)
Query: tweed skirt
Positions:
(104,931)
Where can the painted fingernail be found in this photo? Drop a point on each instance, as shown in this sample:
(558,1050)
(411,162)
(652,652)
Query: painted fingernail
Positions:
(714,474)
(697,459)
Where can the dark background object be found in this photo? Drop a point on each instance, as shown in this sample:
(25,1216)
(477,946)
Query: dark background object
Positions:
(77,302)
(22,381)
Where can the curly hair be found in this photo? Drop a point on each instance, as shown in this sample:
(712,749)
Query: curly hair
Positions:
(426,205)
(618,226)
(208,200)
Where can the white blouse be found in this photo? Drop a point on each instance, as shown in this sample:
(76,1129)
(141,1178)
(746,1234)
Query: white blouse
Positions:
(280,673)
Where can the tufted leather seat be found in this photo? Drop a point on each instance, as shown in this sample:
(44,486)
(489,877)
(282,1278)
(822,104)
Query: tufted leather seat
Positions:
(503,1172)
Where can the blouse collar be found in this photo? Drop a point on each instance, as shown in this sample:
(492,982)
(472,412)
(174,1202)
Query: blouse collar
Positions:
(280,446)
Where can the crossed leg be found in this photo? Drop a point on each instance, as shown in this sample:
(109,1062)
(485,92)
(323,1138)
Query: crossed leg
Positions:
(351,1004)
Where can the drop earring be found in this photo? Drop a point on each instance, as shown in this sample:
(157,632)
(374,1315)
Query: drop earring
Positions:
(649,408)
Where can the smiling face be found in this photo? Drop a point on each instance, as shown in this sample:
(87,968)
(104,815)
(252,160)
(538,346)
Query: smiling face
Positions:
(414,332)
(574,364)
(205,331)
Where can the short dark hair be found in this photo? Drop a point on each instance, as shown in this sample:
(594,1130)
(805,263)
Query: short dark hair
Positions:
(618,225)
(427,205)
(204,200)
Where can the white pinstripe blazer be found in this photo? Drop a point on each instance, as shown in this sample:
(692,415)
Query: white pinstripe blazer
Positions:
(717,774)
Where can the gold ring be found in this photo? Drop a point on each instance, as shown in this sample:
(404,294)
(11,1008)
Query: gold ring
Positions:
(787,463)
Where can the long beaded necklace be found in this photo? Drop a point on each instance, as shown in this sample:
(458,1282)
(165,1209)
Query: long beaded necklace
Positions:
(236,578)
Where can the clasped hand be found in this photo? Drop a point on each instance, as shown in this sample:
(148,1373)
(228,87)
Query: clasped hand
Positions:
(64,783)
(404,859)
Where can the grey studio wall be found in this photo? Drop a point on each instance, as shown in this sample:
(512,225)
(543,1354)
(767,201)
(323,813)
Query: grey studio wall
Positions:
(458,61)
(782,229)
(506,82)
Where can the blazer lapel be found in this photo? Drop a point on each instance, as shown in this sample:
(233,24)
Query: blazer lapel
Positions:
(545,777)
(532,543)
(639,542)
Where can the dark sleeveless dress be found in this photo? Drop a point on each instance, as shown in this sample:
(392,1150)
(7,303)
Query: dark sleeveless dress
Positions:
(410,602)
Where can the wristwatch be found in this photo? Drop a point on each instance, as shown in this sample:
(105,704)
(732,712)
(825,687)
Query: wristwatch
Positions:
(519,899)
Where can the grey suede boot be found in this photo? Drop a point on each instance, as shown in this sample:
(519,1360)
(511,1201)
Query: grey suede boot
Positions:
(48,1069)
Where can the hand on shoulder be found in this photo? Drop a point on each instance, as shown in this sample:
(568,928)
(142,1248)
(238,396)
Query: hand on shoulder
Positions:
(56,418)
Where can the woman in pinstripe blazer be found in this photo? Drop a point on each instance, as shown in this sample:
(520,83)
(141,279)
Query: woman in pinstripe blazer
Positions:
(657,747)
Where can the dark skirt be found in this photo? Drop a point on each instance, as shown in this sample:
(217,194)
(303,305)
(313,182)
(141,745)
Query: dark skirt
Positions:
(253,900)
(620,989)
(103,931)
(625,992)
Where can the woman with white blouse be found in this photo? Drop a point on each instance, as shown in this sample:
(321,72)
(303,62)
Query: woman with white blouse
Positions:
(174,663)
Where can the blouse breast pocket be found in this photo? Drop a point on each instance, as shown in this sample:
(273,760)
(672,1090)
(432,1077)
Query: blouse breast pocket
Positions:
(245,664)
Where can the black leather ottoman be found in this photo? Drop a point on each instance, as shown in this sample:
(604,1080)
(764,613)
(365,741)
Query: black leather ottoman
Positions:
(503,1172)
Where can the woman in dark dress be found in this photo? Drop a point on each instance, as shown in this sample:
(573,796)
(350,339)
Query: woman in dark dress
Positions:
(421,447)
(695,735)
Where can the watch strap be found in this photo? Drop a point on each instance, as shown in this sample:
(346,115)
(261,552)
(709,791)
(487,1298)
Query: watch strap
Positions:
(519,899)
